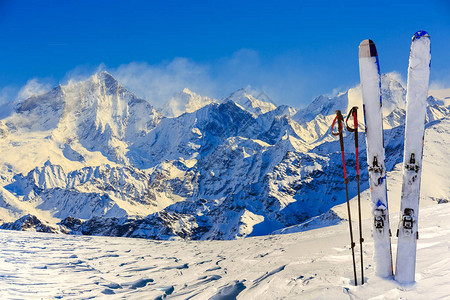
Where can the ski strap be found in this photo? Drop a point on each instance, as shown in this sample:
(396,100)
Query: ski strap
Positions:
(340,120)
(352,112)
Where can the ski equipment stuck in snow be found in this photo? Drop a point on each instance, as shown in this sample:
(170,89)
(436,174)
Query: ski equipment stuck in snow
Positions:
(369,70)
(354,113)
(340,121)
(416,107)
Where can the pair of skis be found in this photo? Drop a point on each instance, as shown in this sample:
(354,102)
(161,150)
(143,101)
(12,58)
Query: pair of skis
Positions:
(417,89)
(340,121)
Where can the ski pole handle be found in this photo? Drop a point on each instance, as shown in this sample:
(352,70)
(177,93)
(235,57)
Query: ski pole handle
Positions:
(332,127)
(340,120)
(353,112)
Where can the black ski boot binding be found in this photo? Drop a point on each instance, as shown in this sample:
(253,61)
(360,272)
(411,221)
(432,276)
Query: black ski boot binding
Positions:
(379,221)
(407,221)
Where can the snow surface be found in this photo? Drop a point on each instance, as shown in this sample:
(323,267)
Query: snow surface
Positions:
(307,265)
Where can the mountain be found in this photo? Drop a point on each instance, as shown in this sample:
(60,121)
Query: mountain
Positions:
(248,101)
(83,123)
(92,158)
(185,101)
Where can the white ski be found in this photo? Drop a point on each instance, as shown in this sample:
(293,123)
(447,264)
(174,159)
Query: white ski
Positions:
(416,105)
(373,117)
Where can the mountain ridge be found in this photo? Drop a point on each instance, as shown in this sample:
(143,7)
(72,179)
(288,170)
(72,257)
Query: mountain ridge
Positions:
(94,152)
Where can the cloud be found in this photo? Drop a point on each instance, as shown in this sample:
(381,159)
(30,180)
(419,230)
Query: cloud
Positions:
(282,78)
(81,73)
(158,83)
(285,79)
(439,85)
(397,77)
(33,87)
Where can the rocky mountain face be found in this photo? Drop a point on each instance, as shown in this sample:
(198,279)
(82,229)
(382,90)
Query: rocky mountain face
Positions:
(92,158)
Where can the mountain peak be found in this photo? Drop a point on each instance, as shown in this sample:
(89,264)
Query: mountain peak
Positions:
(52,98)
(393,92)
(245,98)
(107,79)
(188,92)
(393,96)
(185,101)
(104,75)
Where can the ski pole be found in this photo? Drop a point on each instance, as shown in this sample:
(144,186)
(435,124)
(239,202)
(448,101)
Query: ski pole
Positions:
(353,112)
(340,120)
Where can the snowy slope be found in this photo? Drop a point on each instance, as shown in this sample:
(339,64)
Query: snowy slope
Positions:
(308,265)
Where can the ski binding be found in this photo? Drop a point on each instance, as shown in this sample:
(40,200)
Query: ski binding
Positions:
(407,221)
(375,168)
(379,220)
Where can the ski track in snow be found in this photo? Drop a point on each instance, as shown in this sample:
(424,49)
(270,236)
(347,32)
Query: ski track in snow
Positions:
(308,265)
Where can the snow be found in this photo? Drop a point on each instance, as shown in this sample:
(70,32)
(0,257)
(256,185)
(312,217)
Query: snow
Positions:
(307,265)
(247,101)
(186,101)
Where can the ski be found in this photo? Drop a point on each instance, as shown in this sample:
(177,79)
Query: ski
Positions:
(416,106)
(373,117)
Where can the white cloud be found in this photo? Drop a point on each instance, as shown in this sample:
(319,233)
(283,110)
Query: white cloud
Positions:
(439,85)
(33,87)
(398,77)
(81,73)
(286,79)
(158,83)
(282,78)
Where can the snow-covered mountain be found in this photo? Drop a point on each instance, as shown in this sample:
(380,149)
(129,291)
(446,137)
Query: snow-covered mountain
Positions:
(248,101)
(185,101)
(92,158)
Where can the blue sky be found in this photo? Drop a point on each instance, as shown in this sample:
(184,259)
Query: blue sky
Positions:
(293,50)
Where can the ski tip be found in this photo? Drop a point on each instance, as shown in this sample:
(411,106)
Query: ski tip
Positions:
(420,34)
(367,49)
